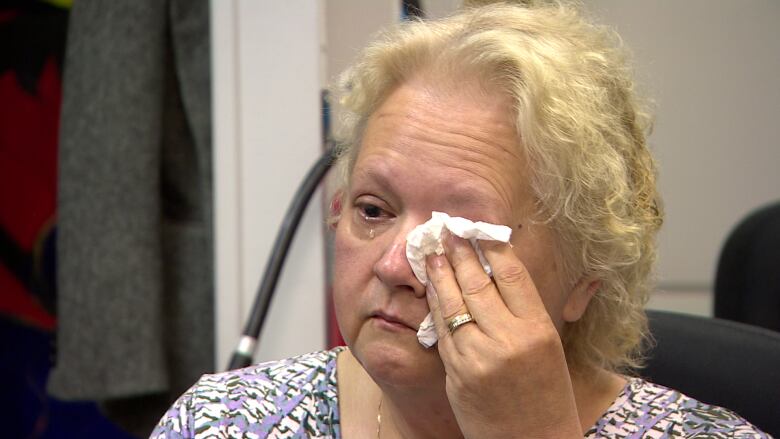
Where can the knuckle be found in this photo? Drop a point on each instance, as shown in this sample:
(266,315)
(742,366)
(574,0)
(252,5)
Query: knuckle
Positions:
(473,378)
(478,285)
(450,306)
(507,355)
(513,274)
(481,374)
(461,257)
(546,341)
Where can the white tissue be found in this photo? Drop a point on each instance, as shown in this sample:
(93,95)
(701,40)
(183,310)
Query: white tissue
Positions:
(425,239)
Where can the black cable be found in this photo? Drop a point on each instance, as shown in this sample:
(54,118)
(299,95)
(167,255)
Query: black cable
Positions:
(243,354)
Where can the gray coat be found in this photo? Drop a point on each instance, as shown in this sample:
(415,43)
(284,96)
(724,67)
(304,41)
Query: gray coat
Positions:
(135,263)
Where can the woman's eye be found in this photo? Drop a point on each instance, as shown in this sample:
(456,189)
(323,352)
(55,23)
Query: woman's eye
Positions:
(371,211)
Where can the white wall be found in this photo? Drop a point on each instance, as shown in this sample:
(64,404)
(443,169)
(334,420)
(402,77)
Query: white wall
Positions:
(713,68)
(266,135)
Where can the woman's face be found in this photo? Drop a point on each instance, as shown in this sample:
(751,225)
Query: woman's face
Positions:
(427,149)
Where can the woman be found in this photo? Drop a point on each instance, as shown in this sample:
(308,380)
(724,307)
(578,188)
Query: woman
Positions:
(523,116)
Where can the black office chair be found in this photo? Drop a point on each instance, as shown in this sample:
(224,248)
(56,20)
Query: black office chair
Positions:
(719,362)
(747,282)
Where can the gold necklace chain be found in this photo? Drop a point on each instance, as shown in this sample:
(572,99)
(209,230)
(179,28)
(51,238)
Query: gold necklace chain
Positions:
(379,418)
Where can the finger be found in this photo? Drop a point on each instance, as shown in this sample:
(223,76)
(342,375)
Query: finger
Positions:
(479,293)
(433,306)
(514,282)
(445,286)
(448,350)
(449,301)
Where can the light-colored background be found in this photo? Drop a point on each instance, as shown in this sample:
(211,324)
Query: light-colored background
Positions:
(711,65)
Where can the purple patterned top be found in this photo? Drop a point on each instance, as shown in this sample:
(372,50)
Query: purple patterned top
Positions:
(298,398)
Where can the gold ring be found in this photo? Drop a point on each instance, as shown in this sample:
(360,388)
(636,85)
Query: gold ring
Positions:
(458,321)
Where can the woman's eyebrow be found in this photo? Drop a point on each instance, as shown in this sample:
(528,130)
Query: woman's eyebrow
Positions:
(469,199)
(374,175)
(374,180)
(474,204)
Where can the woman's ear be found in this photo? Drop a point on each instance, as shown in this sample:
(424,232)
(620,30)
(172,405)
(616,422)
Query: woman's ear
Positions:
(579,298)
(334,215)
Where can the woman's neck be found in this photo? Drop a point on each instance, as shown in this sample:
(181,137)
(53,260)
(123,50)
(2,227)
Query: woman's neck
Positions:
(417,413)
(595,390)
(425,412)
(411,413)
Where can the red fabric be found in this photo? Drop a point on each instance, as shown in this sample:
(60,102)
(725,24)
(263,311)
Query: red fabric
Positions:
(21,305)
(28,146)
(28,179)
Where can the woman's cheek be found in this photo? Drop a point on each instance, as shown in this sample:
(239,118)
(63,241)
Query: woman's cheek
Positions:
(347,288)
(346,249)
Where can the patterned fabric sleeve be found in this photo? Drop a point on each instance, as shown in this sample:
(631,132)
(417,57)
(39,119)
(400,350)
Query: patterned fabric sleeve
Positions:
(292,398)
(647,410)
(177,421)
(703,420)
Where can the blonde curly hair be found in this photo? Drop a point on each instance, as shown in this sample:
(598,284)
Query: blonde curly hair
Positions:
(583,131)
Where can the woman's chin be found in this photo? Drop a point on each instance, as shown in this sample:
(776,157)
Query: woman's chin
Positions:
(398,362)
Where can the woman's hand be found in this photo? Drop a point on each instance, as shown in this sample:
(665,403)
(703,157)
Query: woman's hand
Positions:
(506,373)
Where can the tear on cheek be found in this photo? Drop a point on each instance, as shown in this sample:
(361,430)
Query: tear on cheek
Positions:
(352,234)
(365,232)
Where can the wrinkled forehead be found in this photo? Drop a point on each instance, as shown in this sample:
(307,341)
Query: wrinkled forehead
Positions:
(456,109)
(426,131)
(440,94)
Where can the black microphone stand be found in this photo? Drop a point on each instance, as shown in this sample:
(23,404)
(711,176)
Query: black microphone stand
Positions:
(242,356)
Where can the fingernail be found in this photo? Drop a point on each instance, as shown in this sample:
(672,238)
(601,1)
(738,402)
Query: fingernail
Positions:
(437,261)
(451,240)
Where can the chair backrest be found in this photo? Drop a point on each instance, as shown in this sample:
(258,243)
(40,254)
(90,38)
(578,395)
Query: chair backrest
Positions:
(729,364)
(747,281)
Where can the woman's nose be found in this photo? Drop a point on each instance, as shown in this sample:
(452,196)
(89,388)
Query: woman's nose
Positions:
(393,270)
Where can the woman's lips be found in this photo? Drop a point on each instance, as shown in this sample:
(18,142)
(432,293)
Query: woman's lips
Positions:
(391,321)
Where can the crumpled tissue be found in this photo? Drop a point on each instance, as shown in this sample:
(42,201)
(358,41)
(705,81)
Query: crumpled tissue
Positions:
(426,239)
